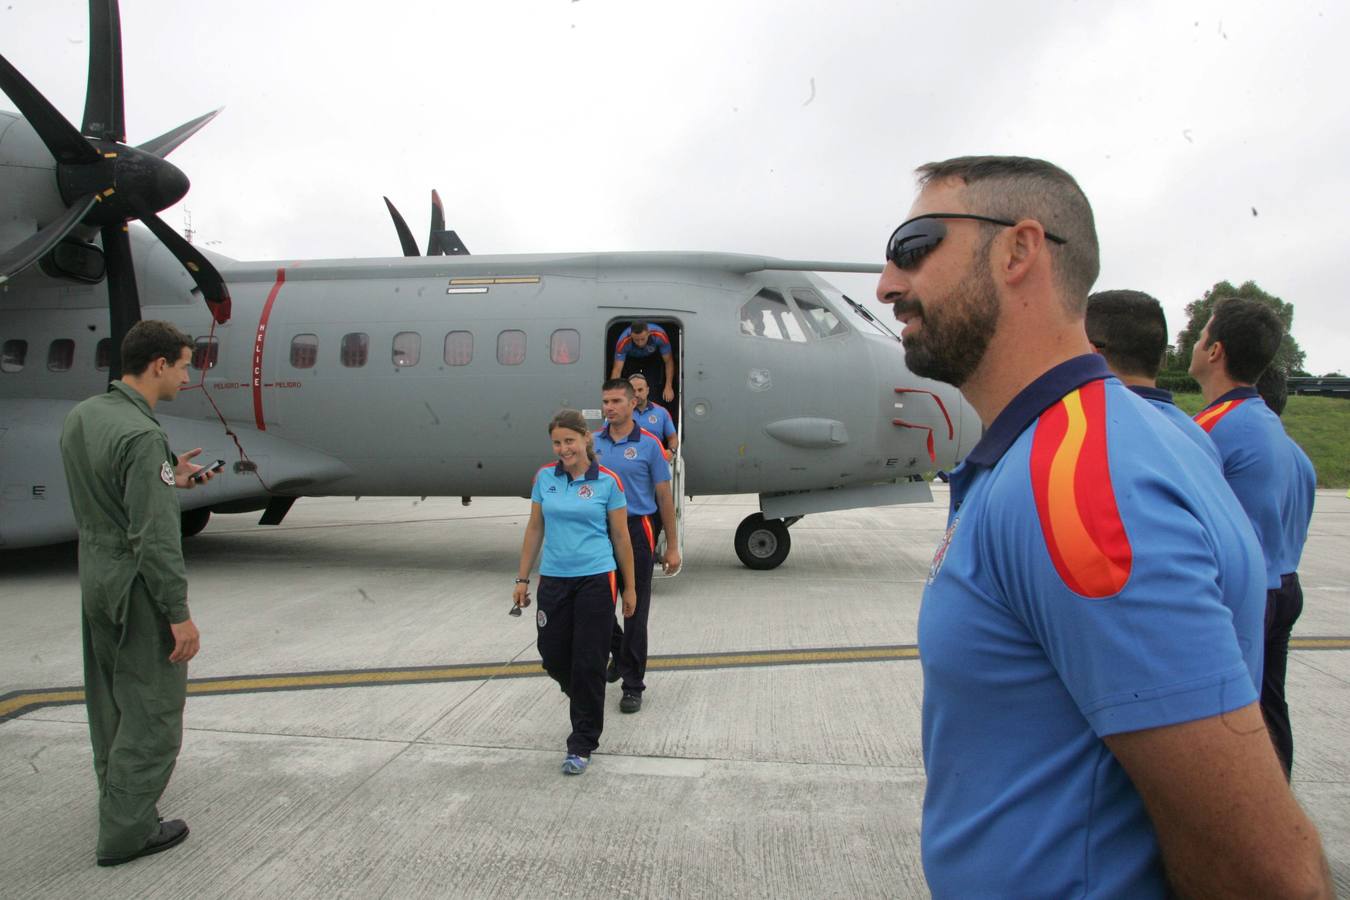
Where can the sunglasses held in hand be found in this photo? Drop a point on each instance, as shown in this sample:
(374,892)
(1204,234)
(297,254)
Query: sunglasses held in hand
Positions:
(919,236)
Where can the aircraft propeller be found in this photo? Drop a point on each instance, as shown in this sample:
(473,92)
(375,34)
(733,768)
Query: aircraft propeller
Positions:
(106,183)
(439,243)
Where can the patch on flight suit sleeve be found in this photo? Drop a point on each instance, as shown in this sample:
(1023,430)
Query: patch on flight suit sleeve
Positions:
(166,473)
(1071,481)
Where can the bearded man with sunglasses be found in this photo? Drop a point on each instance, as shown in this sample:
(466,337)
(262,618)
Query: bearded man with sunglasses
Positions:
(1090,631)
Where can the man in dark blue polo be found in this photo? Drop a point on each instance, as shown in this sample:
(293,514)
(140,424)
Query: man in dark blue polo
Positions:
(1264,469)
(645,347)
(639,460)
(1129,330)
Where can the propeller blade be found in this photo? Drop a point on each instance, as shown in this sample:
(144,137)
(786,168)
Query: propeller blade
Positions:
(404,235)
(124,302)
(31,249)
(103,113)
(166,143)
(437,225)
(206,275)
(450,244)
(64,143)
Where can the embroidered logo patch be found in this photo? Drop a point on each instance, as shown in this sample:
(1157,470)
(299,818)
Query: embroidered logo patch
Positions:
(652,419)
(630,453)
(585,492)
(541,618)
(941,555)
(166,474)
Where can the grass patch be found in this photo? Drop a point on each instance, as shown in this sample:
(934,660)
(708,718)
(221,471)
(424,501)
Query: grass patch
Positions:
(1320,425)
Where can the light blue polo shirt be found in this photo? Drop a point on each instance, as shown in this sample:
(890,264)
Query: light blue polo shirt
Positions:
(656,419)
(1297,509)
(1087,585)
(576,520)
(1162,401)
(1259,464)
(640,462)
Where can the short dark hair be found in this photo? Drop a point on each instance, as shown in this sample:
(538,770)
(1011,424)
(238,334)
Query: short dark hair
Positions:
(618,384)
(1273,386)
(1130,329)
(1250,332)
(149,340)
(637,327)
(1018,187)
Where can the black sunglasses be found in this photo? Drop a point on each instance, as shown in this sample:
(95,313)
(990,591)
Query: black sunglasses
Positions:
(919,236)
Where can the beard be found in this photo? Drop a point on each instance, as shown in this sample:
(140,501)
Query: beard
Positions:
(954,336)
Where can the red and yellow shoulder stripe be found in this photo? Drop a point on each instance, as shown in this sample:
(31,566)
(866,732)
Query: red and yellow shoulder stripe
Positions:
(612,474)
(1208,418)
(1071,481)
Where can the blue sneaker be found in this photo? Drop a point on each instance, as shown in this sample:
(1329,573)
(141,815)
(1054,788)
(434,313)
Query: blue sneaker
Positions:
(575,765)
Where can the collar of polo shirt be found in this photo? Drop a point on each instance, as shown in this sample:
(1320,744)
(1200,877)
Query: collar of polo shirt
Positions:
(592,471)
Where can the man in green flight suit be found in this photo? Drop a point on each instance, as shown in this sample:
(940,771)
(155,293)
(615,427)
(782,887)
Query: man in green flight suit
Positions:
(138,634)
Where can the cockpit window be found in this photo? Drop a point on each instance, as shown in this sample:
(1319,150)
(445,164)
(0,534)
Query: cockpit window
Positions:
(819,317)
(768,315)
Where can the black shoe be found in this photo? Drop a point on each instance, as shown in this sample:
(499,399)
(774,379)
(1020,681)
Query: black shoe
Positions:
(170,835)
(612,672)
(631,702)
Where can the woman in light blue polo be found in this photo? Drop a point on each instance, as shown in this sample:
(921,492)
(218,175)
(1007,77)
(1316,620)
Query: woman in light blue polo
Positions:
(579,517)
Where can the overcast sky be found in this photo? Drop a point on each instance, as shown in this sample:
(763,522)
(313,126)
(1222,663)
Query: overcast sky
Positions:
(1212,138)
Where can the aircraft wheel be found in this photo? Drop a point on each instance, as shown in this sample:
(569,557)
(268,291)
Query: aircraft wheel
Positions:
(194,520)
(762,543)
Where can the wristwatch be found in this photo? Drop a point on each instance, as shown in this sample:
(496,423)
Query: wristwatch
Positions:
(522,581)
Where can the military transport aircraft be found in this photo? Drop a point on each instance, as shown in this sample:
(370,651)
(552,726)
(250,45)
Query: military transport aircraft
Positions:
(420,375)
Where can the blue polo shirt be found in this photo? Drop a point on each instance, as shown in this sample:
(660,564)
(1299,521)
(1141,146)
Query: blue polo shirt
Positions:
(640,462)
(658,341)
(1087,585)
(576,520)
(1162,401)
(1259,466)
(656,419)
(1297,509)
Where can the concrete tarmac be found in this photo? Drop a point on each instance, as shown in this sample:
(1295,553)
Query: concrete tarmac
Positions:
(354,730)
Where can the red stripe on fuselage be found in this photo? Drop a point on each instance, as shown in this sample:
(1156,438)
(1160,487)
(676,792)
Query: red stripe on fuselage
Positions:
(259,341)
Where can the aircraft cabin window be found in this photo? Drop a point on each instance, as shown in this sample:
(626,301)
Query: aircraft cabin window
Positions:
(458,348)
(61,355)
(304,351)
(355,349)
(103,355)
(205,353)
(819,318)
(767,315)
(12,356)
(564,346)
(511,348)
(407,349)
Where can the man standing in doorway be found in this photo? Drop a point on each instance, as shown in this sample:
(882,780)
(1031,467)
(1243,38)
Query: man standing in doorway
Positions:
(637,349)
(138,633)
(1090,629)
(635,455)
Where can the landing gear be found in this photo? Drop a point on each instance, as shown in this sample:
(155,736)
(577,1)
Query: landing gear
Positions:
(763,543)
(194,520)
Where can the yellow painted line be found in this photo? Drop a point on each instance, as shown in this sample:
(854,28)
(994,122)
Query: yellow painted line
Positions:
(20,702)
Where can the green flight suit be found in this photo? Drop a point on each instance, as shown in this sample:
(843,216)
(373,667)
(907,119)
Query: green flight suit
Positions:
(133,584)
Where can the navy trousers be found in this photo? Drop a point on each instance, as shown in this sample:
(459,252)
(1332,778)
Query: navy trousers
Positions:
(628,641)
(574,618)
(1284,604)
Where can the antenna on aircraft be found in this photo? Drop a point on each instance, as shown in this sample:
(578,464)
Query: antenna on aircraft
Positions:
(106,183)
(439,242)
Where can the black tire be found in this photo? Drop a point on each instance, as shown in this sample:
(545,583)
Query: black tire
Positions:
(193,521)
(762,543)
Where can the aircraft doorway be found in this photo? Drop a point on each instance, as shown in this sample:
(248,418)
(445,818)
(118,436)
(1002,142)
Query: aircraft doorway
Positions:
(652,365)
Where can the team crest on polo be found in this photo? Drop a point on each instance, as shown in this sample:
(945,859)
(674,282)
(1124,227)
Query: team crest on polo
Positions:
(941,555)
(630,453)
(652,418)
(541,618)
(166,473)
(585,492)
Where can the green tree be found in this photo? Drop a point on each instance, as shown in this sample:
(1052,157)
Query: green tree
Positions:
(1289,357)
